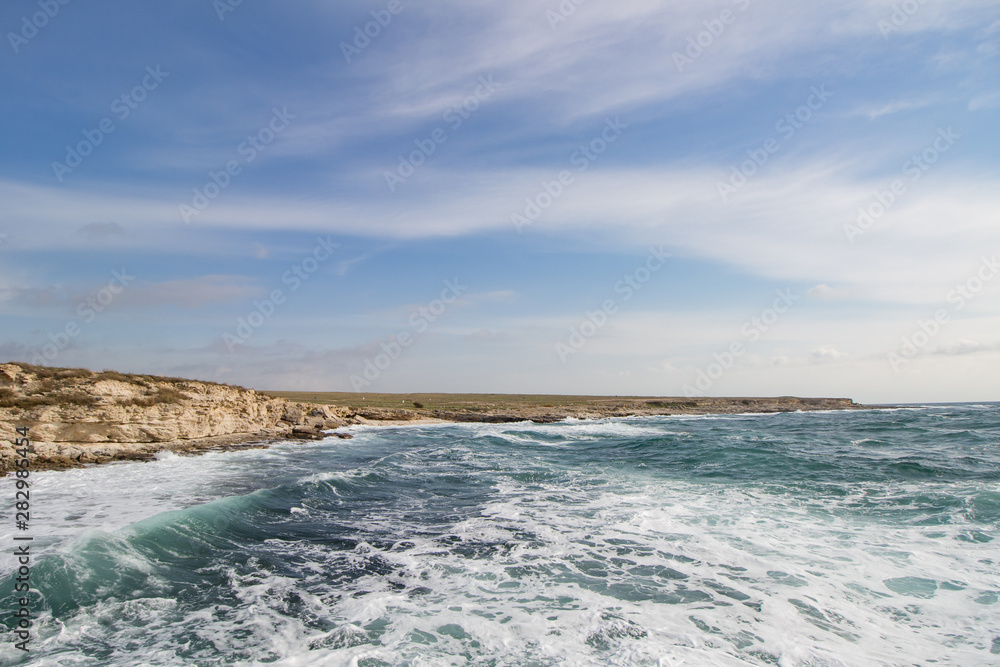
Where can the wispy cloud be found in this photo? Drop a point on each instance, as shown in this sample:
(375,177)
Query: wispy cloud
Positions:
(559,81)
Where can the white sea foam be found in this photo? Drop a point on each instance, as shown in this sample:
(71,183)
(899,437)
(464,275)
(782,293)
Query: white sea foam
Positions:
(621,568)
(829,592)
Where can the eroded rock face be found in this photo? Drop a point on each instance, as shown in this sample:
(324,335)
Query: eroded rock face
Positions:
(74,411)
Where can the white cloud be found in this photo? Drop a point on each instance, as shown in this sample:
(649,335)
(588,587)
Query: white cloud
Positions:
(606,58)
(823,292)
(137,292)
(984,101)
(344,266)
(887,109)
(190,292)
(787,224)
(964,347)
(826,354)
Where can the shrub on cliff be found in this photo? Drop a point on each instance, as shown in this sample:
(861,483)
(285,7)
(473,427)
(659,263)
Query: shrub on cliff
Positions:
(112,375)
(9,399)
(164,395)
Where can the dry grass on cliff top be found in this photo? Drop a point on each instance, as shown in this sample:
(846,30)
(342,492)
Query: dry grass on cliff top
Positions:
(477,401)
(41,386)
(530,403)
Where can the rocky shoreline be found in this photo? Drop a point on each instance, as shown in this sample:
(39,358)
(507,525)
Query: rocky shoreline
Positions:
(78,417)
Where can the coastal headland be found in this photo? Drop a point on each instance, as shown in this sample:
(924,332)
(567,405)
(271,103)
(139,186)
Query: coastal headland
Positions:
(77,417)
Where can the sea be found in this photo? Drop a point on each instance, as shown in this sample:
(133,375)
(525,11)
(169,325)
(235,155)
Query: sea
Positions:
(818,539)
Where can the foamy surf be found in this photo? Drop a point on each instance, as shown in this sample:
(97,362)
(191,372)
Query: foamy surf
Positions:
(789,540)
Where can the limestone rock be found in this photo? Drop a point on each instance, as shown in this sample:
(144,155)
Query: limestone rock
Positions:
(101,415)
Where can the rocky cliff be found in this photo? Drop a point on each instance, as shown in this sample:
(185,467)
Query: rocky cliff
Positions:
(76,416)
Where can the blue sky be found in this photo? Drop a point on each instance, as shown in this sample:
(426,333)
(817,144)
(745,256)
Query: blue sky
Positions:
(552,146)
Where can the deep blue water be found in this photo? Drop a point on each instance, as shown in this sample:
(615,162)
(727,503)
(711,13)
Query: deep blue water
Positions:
(836,538)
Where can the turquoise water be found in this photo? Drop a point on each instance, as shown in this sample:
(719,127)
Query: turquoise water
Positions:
(839,538)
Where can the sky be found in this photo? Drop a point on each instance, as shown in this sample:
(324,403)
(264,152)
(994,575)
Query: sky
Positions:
(661,198)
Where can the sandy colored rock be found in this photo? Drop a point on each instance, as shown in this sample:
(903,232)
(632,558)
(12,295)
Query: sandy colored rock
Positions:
(77,416)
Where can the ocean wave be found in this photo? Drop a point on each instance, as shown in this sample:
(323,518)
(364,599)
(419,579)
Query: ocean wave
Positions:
(796,539)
